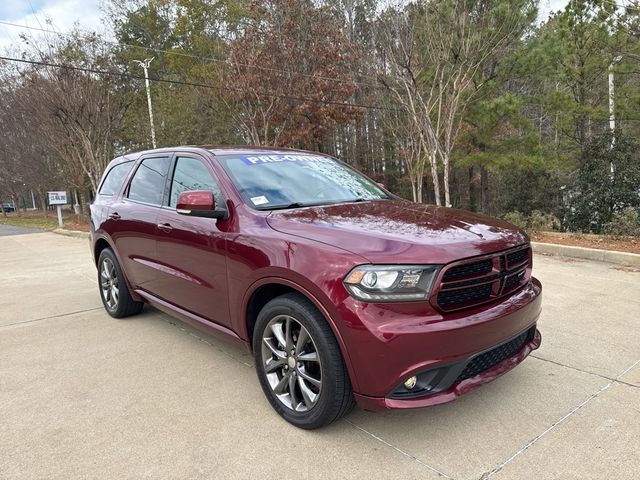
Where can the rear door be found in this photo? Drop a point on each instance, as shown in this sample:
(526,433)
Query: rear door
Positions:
(135,220)
(193,250)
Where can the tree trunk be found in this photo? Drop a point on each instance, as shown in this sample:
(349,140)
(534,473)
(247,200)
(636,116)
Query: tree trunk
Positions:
(16,206)
(78,200)
(447,195)
(434,178)
(414,190)
(43,202)
(473,191)
(484,189)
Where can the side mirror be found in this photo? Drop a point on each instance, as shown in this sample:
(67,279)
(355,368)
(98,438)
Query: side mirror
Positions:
(199,203)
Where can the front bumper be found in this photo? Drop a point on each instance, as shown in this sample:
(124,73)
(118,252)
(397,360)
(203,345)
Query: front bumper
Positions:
(456,389)
(392,343)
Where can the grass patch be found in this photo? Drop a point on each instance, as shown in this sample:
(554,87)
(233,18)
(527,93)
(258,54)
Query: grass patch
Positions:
(39,220)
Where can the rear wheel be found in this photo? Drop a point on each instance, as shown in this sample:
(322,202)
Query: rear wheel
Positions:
(299,363)
(114,291)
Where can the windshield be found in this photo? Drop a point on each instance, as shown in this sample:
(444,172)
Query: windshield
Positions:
(290,180)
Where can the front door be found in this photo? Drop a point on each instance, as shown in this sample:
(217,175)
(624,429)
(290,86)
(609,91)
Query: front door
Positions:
(192,250)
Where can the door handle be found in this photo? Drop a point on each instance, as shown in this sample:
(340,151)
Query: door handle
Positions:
(165,227)
(114,216)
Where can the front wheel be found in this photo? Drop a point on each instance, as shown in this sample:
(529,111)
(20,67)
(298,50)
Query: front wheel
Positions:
(114,291)
(299,363)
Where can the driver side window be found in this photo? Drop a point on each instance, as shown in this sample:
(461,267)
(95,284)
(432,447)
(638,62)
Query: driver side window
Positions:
(192,174)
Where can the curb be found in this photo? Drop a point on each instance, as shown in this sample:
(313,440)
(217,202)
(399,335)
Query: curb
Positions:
(71,233)
(609,256)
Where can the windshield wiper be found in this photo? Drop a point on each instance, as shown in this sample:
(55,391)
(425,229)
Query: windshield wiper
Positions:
(359,199)
(300,204)
(284,207)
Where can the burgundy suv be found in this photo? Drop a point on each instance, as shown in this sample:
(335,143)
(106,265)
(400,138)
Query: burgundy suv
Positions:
(343,292)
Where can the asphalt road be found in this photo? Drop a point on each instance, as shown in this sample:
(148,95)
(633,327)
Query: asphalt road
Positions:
(6,230)
(86,396)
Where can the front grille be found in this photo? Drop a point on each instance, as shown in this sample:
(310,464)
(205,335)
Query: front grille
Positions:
(474,282)
(516,258)
(468,270)
(464,295)
(513,281)
(493,357)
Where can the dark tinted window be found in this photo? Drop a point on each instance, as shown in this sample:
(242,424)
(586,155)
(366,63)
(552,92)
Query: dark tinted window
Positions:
(147,184)
(192,174)
(114,179)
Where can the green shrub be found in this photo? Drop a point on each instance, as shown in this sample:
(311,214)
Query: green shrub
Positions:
(624,223)
(518,219)
(599,195)
(536,222)
(543,222)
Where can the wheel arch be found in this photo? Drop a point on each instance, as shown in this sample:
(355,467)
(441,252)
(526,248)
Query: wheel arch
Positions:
(266,289)
(102,243)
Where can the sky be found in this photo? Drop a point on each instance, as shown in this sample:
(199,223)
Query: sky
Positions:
(61,15)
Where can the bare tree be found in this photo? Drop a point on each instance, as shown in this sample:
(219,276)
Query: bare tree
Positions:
(27,163)
(435,51)
(78,112)
(289,74)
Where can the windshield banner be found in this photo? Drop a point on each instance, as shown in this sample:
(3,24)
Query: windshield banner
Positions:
(289,157)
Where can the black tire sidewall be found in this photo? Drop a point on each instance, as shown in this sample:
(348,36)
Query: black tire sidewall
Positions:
(126,305)
(332,367)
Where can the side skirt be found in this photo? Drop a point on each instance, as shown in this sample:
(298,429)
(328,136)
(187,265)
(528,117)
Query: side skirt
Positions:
(194,320)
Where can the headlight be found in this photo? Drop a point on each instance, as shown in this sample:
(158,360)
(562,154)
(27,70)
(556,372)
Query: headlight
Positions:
(391,283)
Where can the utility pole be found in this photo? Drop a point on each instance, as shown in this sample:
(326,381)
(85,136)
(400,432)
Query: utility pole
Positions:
(612,115)
(145,66)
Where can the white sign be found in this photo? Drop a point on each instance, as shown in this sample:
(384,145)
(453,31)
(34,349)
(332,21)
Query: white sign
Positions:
(57,198)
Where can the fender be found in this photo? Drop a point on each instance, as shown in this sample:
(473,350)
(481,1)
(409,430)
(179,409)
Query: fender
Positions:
(102,236)
(313,299)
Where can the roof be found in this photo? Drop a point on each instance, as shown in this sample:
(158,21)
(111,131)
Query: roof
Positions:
(217,150)
(247,149)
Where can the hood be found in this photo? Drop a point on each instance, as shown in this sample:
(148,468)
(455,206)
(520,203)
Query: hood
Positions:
(398,231)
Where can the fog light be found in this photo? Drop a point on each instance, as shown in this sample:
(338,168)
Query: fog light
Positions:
(410,382)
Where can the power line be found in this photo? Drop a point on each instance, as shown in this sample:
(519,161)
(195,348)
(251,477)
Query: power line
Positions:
(197,57)
(199,85)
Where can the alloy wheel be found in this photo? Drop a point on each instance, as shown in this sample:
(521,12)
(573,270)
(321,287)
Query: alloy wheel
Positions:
(109,284)
(291,363)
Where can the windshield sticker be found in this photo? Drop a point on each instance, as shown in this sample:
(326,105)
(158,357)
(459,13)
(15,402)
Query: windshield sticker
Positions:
(261,200)
(264,159)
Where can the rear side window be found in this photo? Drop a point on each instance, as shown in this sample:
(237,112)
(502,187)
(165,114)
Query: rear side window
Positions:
(192,174)
(148,183)
(114,179)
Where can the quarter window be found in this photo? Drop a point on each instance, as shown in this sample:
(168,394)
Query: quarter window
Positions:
(114,179)
(192,174)
(148,183)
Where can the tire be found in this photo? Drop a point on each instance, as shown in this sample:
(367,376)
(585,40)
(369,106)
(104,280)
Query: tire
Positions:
(113,288)
(311,406)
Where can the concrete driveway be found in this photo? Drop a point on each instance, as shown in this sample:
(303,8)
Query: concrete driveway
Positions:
(86,396)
